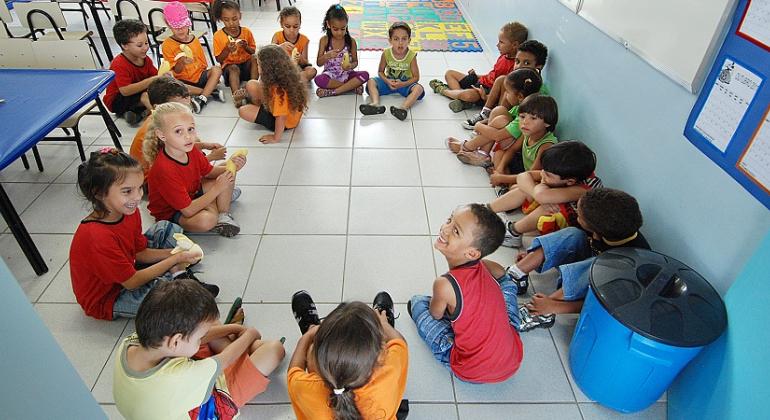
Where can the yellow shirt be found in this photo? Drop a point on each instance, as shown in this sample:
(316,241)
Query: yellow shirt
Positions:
(378,399)
(167,391)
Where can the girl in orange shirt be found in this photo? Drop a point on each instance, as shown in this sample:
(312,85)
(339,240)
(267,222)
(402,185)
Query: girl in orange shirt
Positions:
(353,366)
(279,97)
(294,43)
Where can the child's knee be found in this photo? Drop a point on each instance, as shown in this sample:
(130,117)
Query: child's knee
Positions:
(233,70)
(216,72)
(417,89)
(248,112)
(252,86)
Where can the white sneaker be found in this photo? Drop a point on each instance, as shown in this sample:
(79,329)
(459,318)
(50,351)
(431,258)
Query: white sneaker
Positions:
(470,123)
(219,95)
(236,193)
(511,241)
(226,225)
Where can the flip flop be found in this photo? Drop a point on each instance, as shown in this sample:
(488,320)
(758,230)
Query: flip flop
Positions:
(233,309)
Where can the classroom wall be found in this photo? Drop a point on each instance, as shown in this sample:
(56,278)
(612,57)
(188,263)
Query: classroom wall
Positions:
(633,116)
(728,380)
(39,382)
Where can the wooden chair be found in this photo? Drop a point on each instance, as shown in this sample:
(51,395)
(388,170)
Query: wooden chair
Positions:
(38,16)
(70,55)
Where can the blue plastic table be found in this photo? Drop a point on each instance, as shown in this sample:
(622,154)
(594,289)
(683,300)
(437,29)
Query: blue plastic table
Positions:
(35,103)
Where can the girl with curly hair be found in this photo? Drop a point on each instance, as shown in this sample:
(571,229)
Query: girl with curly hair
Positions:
(279,97)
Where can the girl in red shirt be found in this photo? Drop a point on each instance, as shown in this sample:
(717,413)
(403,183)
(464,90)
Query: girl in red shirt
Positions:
(109,243)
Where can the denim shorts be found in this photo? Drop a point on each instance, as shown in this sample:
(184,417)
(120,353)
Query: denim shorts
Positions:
(178,215)
(438,333)
(569,251)
(384,89)
(159,236)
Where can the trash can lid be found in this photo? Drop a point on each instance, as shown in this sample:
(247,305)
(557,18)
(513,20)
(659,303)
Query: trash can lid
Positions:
(658,297)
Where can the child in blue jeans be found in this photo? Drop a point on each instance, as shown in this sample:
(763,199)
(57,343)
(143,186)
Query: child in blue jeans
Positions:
(471,322)
(608,218)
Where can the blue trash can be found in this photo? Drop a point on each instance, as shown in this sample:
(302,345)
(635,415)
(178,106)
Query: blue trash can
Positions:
(644,318)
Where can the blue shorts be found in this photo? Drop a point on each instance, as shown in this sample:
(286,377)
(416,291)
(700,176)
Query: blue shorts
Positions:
(569,251)
(384,89)
(178,215)
(159,236)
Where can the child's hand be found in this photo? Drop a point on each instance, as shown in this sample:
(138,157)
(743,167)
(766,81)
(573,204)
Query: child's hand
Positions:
(520,256)
(480,90)
(224,180)
(383,318)
(310,333)
(288,47)
(186,61)
(496,179)
(233,45)
(331,54)
(392,83)
(239,162)
(268,138)
(189,257)
(217,153)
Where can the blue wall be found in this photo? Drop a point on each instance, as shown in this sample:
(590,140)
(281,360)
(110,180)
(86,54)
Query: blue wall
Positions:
(39,381)
(729,379)
(633,116)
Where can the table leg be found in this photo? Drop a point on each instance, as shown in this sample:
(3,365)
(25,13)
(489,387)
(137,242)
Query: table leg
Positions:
(20,233)
(100,30)
(109,123)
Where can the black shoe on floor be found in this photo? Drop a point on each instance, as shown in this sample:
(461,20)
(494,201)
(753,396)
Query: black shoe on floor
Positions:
(383,302)
(409,308)
(371,109)
(522,285)
(304,310)
(188,274)
(399,113)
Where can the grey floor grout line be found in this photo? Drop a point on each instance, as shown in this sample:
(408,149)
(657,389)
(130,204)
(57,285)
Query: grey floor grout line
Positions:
(114,347)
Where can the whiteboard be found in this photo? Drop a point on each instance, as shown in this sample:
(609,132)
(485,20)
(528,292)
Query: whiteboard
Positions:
(678,37)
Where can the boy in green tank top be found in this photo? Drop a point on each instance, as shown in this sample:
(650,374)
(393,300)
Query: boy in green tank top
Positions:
(397,73)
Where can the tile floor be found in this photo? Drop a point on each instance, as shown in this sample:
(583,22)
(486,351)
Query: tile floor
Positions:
(330,209)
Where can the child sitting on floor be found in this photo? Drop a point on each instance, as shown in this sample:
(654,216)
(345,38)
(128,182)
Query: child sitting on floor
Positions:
(502,131)
(279,97)
(184,187)
(398,73)
(108,244)
(549,196)
(468,89)
(607,219)
(353,366)
(160,91)
(191,70)
(338,55)
(183,363)
(126,95)
(234,49)
(291,40)
(471,321)
(530,54)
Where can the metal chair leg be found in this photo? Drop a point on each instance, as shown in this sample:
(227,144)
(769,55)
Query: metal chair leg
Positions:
(79,142)
(24,161)
(38,161)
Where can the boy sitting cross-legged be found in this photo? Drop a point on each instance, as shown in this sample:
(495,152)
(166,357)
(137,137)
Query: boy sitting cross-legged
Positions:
(471,321)
(182,360)
(607,219)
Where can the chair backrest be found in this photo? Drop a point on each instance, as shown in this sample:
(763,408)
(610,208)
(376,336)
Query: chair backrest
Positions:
(152,13)
(126,9)
(16,53)
(69,54)
(33,15)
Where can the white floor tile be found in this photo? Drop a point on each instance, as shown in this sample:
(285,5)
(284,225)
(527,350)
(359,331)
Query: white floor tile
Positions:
(440,168)
(387,211)
(384,134)
(316,132)
(251,209)
(21,196)
(337,107)
(288,263)
(55,252)
(55,159)
(514,411)
(400,265)
(227,263)
(308,210)
(432,134)
(441,202)
(432,411)
(263,166)
(247,134)
(381,167)
(317,167)
(70,208)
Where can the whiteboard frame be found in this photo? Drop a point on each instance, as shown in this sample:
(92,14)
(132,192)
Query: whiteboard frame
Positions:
(692,86)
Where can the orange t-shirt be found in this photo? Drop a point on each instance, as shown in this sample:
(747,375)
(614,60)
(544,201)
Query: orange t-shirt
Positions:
(137,144)
(300,45)
(191,72)
(378,399)
(279,107)
(240,55)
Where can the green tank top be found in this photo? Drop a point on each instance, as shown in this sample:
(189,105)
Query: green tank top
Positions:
(529,153)
(398,69)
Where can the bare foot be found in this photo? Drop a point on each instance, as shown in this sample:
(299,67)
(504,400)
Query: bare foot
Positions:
(454,145)
(545,305)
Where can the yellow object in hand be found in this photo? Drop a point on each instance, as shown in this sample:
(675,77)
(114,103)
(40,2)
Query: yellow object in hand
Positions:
(186,50)
(295,55)
(230,165)
(345,60)
(164,68)
(230,38)
(183,243)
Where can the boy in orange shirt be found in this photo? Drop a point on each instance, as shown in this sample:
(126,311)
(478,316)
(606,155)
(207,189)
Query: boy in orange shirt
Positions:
(191,70)
(234,49)
(160,91)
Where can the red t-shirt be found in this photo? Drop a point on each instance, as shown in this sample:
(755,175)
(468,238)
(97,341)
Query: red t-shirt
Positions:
(102,256)
(126,73)
(487,347)
(503,66)
(173,185)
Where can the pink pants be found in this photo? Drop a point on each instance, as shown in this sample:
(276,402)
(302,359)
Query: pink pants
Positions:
(323,79)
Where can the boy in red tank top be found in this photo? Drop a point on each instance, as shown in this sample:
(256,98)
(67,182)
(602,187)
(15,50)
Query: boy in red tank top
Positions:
(471,322)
